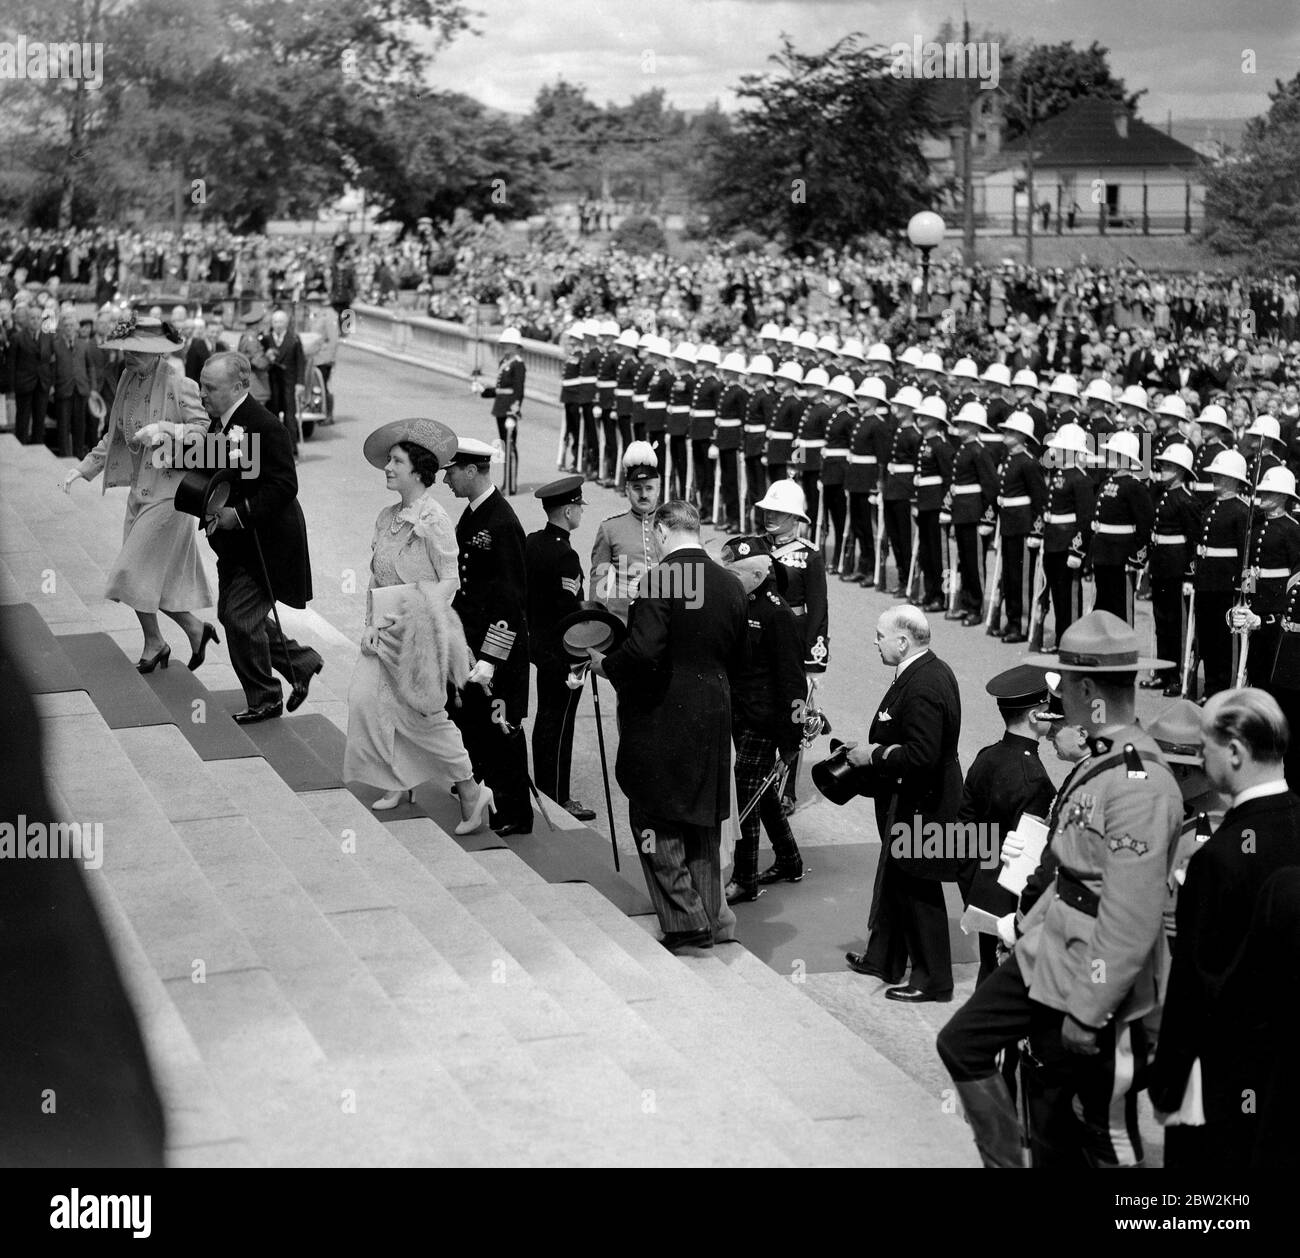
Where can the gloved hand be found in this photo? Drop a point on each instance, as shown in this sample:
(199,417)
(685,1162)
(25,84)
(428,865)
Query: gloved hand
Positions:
(1136,562)
(1074,560)
(945,517)
(482,673)
(1012,846)
(67,480)
(1243,618)
(575,676)
(1007,930)
(150,434)
(1188,589)
(873,501)
(1034,541)
(713,452)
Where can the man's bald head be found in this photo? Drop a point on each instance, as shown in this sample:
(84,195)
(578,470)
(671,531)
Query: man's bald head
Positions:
(909,620)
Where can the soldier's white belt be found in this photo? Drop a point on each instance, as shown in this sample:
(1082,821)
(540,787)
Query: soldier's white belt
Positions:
(703,414)
(1272,574)
(1121,529)
(656,406)
(862,458)
(1053,518)
(899,468)
(606,384)
(679,410)
(779,436)
(639,397)
(1203,487)
(835,452)
(968,489)
(622,392)
(1022,500)
(1169,539)
(755,427)
(922,481)
(584,380)
(810,443)
(1217,552)
(728,423)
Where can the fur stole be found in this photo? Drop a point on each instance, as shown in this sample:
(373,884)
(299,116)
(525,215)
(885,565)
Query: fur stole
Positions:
(433,650)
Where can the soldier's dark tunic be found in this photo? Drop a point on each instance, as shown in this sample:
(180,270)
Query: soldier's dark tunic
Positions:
(1174,538)
(554,590)
(1218,569)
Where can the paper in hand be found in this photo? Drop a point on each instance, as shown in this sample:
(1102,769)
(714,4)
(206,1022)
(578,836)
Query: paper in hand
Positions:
(1033,831)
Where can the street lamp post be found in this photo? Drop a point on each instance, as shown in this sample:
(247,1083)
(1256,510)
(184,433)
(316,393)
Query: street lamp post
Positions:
(925,230)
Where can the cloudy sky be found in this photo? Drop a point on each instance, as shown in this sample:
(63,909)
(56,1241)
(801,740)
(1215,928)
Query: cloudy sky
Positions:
(1188,53)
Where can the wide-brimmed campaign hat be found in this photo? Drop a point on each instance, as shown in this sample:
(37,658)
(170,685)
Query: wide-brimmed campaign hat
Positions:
(144,336)
(429,434)
(593,626)
(1178,731)
(1099,642)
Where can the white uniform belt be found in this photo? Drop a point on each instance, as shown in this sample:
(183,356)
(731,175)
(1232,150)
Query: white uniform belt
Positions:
(1021,500)
(1169,539)
(1116,528)
(755,427)
(1217,552)
(968,489)
(728,423)
(622,392)
(862,458)
(679,410)
(922,481)
(1273,574)
(606,384)
(640,397)
(585,380)
(1055,518)
(899,468)
(703,414)
(1203,487)
(656,406)
(835,452)
(810,443)
(784,436)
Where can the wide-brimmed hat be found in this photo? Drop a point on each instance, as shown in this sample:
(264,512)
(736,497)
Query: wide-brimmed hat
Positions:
(144,336)
(1178,731)
(428,434)
(1099,642)
(593,626)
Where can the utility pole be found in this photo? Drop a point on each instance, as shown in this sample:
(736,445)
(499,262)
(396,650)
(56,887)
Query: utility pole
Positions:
(1029,177)
(967,182)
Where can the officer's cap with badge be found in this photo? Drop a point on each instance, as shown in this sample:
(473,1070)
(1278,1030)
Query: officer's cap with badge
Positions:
(564,492)
(737,550)
(1019,688)
(470,452)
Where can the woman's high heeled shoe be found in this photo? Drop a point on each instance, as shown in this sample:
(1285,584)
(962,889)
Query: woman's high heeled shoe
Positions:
(393,799)
(478,818)
(147,666)
(209,635)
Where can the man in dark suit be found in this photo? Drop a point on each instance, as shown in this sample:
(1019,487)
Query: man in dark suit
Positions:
(198,350)
(33,375)
(261,522)
(71,388)
(491,603)
(686,633)
(1245,741)
(287,372)
(911,770)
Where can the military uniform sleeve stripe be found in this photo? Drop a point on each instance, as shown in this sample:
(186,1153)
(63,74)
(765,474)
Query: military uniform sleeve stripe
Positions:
(499,640)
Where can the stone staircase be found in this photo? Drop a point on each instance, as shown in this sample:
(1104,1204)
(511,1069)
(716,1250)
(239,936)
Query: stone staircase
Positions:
(317,986)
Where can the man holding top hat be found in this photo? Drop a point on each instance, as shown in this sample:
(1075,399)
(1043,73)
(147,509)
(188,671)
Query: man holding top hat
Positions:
(767,704)
(491,606)
(554,592)
(1084,970)
(686,634)
(260,538)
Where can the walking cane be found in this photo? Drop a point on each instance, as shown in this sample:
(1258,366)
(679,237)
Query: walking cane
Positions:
(604,770)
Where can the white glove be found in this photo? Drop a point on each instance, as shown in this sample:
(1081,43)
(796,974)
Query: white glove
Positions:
(67,480)
(1074,561)
(1188,589)
(481,674)
(370,640)
(150,434)
(1244,618)
(713,452)
(576,677)
(1012,846)
(1007,930)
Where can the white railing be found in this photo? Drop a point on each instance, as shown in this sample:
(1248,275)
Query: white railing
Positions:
(451,347)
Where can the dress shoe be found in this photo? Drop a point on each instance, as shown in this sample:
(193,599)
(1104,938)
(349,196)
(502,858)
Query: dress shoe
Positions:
(209,635)
(736,894)
(954,615)
(262,712)
(970,620)
(144,665)
(1014,637)
(298,694)
(512,827)
(578,811)
(867,583)
(994,631)
(848,578)
(916,996)
(933,605)
(782,873)
(898,592)
(858,961)
(392,799)
(674,940)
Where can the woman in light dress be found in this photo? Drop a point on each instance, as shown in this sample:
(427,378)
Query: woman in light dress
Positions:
(159,568)
(399,732)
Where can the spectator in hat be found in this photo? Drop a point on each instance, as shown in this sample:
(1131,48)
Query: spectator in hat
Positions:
(250,345)
(554,591)
(399,733)
(286,372)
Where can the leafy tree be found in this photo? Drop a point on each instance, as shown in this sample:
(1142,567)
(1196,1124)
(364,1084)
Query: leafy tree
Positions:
(1252,200)
(1059,74)
(639,233)
(828,148)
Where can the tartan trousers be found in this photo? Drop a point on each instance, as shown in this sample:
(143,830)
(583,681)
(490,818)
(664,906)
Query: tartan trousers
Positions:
(755,756)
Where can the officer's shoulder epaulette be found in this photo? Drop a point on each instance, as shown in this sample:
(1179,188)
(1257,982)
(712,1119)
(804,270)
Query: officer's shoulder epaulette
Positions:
(618,515)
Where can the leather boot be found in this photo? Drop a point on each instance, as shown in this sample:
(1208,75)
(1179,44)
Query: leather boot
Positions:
(994,1122)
